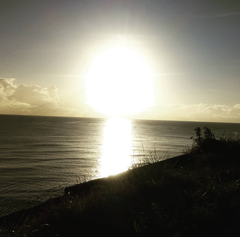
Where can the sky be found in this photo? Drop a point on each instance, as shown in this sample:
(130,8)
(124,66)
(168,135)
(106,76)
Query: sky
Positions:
(192,48)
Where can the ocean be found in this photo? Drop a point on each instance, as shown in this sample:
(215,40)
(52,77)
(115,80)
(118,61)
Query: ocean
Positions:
(40,156)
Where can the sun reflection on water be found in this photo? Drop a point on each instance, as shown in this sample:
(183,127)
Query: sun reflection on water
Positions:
(117,147)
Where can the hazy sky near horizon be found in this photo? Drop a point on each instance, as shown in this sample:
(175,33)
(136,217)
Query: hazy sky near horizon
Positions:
(192,47)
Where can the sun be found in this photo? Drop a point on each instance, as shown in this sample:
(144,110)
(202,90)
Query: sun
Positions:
(119,83)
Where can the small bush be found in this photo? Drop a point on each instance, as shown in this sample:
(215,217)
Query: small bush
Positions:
(208,143)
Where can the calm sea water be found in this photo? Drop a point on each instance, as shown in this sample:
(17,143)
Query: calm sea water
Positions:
(39,156)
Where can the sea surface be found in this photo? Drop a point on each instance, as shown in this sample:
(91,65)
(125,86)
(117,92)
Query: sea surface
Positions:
(40,156)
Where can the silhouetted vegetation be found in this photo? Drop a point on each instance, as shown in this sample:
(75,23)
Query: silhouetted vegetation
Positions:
(196,194)
(210,144)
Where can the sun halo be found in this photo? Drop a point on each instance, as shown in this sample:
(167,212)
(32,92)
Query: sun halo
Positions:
(119,83)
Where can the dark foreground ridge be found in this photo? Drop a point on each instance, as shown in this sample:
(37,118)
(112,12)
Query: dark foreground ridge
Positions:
(196,194)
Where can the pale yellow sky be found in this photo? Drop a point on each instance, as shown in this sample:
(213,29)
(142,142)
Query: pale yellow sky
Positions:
(192,51)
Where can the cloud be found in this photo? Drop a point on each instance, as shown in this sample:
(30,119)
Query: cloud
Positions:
(6,88)
(220,15)
(206,112)
(27,99)
(237,106)
(36,100)
(35,95)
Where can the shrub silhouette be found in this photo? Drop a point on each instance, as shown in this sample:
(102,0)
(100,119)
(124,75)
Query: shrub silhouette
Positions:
(208,143)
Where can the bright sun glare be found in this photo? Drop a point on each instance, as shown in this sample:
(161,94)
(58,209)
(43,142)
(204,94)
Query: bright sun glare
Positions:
(119,83)
(117,147)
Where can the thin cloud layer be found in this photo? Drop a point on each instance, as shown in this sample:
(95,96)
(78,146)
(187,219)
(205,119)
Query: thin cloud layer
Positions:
(27,99)
(206,112)
(36,100)
(35,95)
(220,15)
